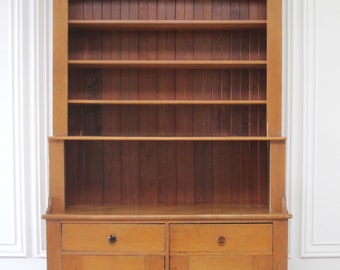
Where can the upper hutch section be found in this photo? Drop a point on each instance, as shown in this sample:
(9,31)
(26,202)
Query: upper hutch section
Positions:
(167,10)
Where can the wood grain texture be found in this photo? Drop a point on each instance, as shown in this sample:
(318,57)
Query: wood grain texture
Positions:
(53,248)
(280,245)
(57,175)
(274,68)
(204,238)
(167,124)
(60,78)
(71,262)
(130,237)
(218,262)
(167,172)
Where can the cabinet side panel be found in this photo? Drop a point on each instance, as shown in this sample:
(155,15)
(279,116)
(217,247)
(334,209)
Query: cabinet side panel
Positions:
(57,177)
(60,55)
(277,175)
(280,256)
(274,67)
(53,230)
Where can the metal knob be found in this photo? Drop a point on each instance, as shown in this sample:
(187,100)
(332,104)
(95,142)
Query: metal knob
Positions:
(221,240)
(112,238)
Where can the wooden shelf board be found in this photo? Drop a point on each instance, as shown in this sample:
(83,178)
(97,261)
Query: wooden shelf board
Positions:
(210,213)
(160,25)
(163,138)
(172,64)
(167,102)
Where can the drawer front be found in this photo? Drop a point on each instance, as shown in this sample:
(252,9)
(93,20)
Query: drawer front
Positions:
(123,237)
(209,262)
(221,237)
(71,262)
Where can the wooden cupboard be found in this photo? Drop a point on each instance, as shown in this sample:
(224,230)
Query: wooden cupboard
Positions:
(167,150)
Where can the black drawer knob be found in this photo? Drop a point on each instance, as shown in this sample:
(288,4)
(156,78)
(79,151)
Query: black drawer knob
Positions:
(112,238)
(221,240)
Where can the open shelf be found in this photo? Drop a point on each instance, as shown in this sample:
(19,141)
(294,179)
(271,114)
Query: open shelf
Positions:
(169,64)
(199,212)
(166,102)
(161,25)
(165,138)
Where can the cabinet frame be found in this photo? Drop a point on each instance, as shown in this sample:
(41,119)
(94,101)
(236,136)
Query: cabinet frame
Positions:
(274,212)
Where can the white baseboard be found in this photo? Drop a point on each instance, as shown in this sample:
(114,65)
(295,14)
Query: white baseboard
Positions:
(24,263)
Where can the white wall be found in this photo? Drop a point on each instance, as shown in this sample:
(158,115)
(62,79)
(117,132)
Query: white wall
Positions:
(25,75)
(310,72)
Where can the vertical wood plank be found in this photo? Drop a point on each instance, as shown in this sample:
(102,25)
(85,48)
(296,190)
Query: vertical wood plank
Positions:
(116,10)
(253,9)
(60,61)
(262,9)
(106,9)
(162,9)
(189,9)
(185,172)
(147,114)
(133,9)
(277,175)
(124,10)
(167,173)
(235,9)
(254,174)
(179,262)
(208,172)
(244,173)
(112,173)
(217,9)
(262,263)
(280,244)
(94,179)
(75,168)
(76,11)
(244,9)
(154,262)
(216,120)
(274,66)
(88,9)
(199,172)
(226,10)
(130,173)
(53,233)
(57,175)
(263,173)
(97,10)
(148,172)
(235,173)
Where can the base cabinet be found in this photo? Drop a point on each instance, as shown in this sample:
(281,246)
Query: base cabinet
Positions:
(165,246)
(221,262)
(99,262)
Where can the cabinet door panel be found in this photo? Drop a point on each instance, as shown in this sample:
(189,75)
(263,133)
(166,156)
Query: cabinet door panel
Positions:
(72,262)
(228,262)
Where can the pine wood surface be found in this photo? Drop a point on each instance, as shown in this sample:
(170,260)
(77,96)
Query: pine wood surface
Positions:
(83,262)
(204,238)
(130,237)
(241,262)
(161,25)
(167,127)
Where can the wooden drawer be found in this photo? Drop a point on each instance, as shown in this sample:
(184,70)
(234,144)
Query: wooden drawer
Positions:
(230,261)
(221,237)
(73,262)
(128,237)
